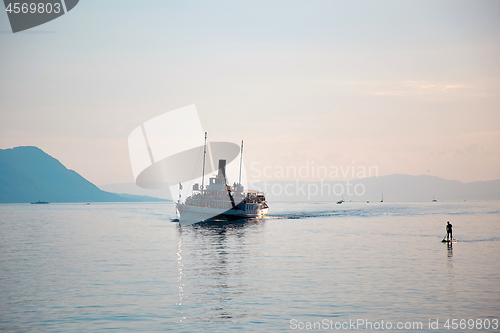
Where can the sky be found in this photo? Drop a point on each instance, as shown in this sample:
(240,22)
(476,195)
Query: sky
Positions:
(410,87)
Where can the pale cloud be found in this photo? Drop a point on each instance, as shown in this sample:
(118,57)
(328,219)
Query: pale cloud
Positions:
(407,88)
(390,93)
(454,86)
(421,89)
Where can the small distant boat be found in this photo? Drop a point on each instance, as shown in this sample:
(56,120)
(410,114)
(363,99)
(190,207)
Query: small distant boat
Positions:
(434,198)
(368,202)
(382,200)
(40,203)
(341,201)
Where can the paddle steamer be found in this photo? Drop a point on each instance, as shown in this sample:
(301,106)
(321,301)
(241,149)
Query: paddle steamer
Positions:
(219,202)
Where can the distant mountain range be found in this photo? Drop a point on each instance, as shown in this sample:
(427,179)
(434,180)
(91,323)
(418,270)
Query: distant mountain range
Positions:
(394,188)
(134,189)
(28,174)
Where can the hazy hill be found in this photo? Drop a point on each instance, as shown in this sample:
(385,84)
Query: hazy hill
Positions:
(394,187)
(28,174)
(134,189)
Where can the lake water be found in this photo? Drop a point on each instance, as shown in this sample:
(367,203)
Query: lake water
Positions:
(125,266)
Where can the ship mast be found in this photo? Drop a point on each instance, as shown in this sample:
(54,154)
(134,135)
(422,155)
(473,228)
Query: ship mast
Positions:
(203,171)
(241,159)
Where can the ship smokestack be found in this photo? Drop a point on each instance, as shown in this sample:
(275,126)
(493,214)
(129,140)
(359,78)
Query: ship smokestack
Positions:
(222,169)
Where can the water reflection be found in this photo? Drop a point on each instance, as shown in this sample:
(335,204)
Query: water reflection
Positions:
(451,279)
(215,262)
(180,278)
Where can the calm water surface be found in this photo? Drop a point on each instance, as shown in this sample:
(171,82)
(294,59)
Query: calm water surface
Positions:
(76,267)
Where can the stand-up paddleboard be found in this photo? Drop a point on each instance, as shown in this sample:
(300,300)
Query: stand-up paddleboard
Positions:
(449,241)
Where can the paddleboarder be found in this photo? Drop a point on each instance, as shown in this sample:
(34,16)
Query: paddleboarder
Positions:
(449,231)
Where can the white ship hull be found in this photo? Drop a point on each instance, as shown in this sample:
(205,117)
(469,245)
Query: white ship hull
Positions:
(194,214)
